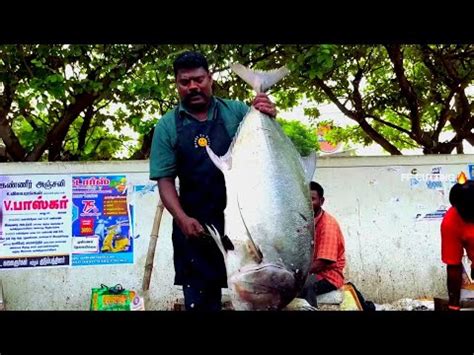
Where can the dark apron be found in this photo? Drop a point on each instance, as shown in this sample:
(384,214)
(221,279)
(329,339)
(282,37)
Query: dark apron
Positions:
(198,261)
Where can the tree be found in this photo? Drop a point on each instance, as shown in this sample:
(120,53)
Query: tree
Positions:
(56,100)
(73,102)
(80,102)
(304,138)
(399,96)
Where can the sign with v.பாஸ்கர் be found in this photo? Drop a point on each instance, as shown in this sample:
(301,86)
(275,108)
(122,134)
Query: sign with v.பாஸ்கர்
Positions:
(35,221)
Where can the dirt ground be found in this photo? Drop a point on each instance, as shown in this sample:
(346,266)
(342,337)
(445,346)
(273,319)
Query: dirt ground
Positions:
(405,304)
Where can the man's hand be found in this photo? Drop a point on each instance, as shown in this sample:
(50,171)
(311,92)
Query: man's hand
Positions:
(190,227)
(262,103)
(454,273)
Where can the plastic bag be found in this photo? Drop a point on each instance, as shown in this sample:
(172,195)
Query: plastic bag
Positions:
(114,298)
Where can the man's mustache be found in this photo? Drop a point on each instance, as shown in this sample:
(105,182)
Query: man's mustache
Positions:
(194,94)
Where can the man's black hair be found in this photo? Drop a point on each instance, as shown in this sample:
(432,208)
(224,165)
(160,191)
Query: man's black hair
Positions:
(190,60)
(461,196)
(318,188)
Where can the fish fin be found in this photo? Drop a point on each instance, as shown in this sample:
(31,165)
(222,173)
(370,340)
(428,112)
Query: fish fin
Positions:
(224,239)
(260,81)
(217,238)
(309,165)
(227,243)
(255,250)
(224,162)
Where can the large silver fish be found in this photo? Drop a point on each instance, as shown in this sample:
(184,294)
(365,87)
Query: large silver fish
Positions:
(269,215)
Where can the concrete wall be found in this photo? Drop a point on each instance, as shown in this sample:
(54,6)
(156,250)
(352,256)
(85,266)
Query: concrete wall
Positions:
(391,253)
(392,248)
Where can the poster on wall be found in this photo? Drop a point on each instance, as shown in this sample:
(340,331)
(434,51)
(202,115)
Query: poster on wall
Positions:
(471,171)
(35,221)
(100,221)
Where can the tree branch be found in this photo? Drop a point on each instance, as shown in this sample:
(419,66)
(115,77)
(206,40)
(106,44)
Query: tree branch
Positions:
(59,131)
(144,151)
(356,93)
(443,117)
(327,90)
(11,141)
(28,119)
(389,124)
(30,72)
(97,145)
(378,138)
(396,57)
(470,138)
(84,128)
(434,69)
(462,123)
(366,127)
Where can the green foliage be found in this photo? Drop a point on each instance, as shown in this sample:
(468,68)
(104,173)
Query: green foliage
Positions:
(303,137)
(362,79)
(86,102)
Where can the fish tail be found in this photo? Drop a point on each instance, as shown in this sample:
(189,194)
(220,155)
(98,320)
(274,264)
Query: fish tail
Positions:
(260,81)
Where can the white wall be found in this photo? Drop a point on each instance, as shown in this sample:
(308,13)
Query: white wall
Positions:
(70,288)
(390,253)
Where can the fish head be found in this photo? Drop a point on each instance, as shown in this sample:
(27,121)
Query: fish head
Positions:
(266,286)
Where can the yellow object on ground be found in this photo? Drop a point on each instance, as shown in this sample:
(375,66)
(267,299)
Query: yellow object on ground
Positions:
(351,301)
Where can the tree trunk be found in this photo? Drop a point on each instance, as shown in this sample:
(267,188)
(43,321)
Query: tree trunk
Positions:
(145,149)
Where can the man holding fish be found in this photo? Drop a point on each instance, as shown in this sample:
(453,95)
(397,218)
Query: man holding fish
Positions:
(179,150)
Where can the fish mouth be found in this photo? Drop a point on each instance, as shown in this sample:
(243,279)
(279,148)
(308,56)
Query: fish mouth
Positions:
(263,287)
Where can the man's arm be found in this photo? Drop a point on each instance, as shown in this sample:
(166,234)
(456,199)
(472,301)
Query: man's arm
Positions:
(189,226)
(321,265)
(163,169)
(454,273)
